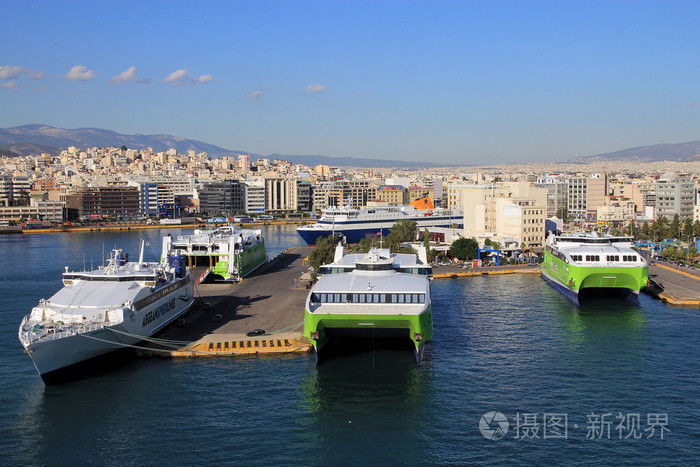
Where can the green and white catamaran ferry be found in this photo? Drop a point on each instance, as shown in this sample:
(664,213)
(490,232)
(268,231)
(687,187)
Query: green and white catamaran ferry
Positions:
(230,253)
(587,265)
(378,294)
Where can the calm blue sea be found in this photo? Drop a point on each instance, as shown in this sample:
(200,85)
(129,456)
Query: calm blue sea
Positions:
(595,385)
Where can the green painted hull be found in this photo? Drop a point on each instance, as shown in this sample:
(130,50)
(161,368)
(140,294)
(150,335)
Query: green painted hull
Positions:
(573,278)
(251,259)
(419,328)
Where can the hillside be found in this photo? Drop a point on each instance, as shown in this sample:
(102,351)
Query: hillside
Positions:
(34,139)
(60,138)
(679,152)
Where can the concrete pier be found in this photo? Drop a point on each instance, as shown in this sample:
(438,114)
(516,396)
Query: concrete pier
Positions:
(681,286)
(266,300)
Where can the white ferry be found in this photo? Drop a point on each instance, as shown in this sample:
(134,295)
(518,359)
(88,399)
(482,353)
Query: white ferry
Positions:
(230,253)
(102,310)
(377,294)
(355,224)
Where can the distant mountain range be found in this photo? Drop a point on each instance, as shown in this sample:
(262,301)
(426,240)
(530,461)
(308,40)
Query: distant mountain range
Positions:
(36,139)
(679,152)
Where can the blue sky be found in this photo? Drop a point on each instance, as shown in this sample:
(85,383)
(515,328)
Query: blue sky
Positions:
(467,82)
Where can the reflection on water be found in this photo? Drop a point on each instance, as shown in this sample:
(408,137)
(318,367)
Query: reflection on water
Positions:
(368,400)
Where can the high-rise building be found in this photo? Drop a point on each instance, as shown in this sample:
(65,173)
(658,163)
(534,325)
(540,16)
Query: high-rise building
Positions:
(585,195)
(674,195)
(222,197)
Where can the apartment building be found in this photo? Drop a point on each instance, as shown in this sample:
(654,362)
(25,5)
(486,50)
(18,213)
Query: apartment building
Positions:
(222,197)
(585,195)
(393,195)
(98,202)
(674,195)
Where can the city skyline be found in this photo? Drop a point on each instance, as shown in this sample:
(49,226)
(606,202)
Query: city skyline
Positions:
(451,82)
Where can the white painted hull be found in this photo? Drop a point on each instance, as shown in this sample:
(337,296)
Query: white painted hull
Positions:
(53,355)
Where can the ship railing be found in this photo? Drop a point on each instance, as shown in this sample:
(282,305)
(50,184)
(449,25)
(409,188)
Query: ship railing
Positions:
(63,333)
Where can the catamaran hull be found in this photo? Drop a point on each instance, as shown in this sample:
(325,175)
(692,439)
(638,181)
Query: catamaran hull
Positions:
(576,295)
(58,357)
(321,329)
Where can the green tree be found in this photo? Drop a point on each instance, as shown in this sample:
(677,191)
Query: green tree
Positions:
(688,230)
(465,248)
(696,228)
(674,227)
(491,244)
(323,253)
(366,244)
(563,214)
(405,230)
(645,233)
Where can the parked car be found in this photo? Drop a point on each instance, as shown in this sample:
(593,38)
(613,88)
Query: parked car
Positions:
(255,332)
(217,317)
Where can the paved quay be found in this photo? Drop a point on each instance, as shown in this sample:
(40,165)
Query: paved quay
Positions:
(266,300)
(681,286)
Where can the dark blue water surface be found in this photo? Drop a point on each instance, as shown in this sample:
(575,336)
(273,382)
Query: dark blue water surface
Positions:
(509,344)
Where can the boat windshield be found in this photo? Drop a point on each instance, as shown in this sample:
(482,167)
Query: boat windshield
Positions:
(375,266)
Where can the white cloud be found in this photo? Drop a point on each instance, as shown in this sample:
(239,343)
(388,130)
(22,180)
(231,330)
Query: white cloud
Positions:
(255,95)
(127,76)
(12,72)
(11,86)
(42,89)
(181,77)
(80,73)
(203,79)
(315,88)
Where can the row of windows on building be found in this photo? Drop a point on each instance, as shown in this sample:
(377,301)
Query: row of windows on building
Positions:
(368,298)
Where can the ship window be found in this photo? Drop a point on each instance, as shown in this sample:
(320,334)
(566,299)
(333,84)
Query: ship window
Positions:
(323,298)
(362,298)
(375,298)
(337,298)
(314,298)
(343,298)
(597,258)
(400,297)
(421,298)
(414,298)
(393,298)
(355,298)
(383,298)
(588,257)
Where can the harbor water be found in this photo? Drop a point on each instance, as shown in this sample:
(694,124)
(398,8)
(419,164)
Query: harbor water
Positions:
(515,374)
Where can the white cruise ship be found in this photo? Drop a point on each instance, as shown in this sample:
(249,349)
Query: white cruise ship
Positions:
(355,224)
(102,310)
